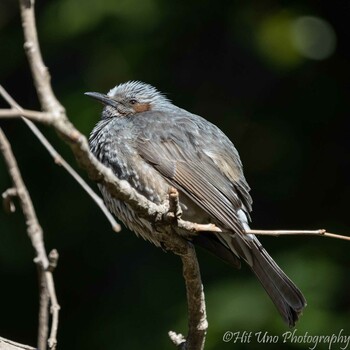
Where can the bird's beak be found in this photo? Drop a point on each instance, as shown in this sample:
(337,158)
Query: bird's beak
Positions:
(104,99)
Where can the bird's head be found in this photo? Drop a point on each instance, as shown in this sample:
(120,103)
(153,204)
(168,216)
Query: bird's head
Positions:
(130,98)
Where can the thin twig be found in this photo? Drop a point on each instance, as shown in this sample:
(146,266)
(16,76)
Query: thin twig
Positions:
(35,234)
(33,228)
(320,232)
(54,308)
(41,117)
(59,160)
(192,228)
(48,294)
(195,229)
(6,344)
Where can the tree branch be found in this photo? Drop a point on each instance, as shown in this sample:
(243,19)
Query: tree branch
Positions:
(40,73)
(48,295)
(35,234)
(41,117)
(33,228)
(6,344)
(44,317)
(197,318)
(54,308)
(276,233)
(198,324)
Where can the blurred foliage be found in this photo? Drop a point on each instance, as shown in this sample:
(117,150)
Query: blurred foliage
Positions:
(239,64)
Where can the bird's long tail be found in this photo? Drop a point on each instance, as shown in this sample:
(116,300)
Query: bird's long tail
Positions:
(283,292)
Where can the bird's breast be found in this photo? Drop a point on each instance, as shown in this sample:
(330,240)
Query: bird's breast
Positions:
(116,149)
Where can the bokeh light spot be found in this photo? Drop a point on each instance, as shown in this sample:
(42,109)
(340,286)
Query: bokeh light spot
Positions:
(274,41)
(313,37)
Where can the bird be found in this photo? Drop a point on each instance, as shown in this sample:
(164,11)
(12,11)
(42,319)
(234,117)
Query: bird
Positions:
(154,145)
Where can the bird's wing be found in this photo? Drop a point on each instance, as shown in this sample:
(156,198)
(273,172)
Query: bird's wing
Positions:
(199,160)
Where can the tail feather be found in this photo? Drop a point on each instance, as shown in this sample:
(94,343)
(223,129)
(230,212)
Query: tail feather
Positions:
(283,292)
(286,296)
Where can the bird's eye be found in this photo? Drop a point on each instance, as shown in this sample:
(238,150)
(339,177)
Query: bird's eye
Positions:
(133,101)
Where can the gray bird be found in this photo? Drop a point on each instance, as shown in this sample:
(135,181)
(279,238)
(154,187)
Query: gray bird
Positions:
(153,145)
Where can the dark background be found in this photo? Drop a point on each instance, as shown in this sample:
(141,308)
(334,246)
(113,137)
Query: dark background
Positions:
(236,64)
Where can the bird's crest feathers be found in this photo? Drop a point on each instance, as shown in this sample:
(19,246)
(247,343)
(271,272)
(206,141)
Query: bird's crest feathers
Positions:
(141,91)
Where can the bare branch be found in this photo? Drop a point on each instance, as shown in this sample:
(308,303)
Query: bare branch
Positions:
(197,318)
(48,294)
(44,317)
(40,72)
(276,233)
(195,229)
(35,234)
(33,228)
(191,228)
(6,344)
(41,117)
(54,308)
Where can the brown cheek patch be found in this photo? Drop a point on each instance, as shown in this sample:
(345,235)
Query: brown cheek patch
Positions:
(142,107)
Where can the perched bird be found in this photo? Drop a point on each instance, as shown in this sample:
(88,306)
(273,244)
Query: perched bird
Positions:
(153,145)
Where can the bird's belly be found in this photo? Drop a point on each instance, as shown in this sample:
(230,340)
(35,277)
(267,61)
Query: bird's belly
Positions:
(142,227)
(129,217)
